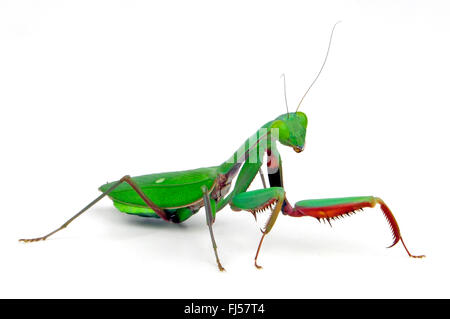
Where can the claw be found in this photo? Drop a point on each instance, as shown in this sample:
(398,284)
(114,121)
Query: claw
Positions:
(258,266)
(30,240)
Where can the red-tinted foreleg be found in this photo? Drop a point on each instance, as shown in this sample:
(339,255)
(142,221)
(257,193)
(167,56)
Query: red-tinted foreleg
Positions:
(332,208)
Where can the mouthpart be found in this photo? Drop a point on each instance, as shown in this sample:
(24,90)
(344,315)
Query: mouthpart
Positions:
(297,149)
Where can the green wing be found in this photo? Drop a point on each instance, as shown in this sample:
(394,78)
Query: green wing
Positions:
(166,190)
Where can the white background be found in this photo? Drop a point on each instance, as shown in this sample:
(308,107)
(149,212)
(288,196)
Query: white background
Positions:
(93,90)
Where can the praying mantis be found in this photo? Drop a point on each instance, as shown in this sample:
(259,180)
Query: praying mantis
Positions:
(176,196)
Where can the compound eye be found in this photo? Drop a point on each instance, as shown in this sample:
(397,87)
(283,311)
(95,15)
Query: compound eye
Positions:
(303,119)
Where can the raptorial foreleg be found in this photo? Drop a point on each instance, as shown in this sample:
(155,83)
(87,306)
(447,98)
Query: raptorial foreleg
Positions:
(259,200)
(332,208)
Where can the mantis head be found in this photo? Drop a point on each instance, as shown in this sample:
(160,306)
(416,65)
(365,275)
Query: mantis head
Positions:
(292,125)
(291,130)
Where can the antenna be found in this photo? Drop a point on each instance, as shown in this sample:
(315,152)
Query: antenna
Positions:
(323,64)
(285,98)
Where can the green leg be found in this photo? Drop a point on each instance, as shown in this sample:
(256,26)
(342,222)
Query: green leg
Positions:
(210,209)
(258,200)
(332,208)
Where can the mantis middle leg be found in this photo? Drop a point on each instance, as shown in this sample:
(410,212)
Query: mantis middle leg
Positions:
(210,210)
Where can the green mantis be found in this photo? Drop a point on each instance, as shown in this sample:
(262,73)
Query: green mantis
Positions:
(176,196)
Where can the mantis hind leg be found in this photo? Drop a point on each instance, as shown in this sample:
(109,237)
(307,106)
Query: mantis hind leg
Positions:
(259,200)
(332,208)
(126,179)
